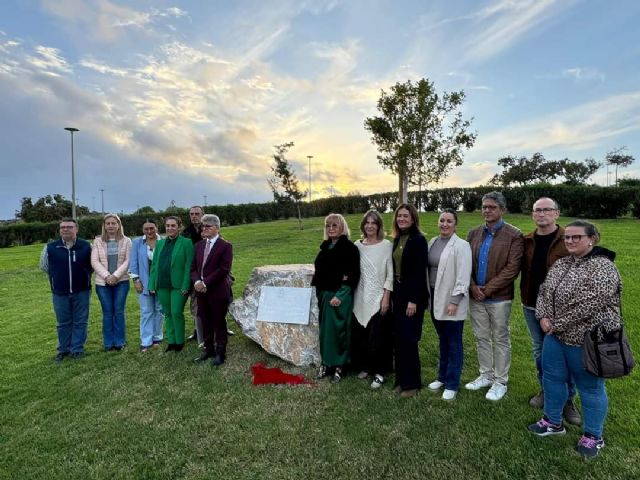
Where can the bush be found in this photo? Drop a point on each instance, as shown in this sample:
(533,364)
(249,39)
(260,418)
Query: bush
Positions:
(575,201)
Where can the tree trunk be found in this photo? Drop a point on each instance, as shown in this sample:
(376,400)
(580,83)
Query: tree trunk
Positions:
(403,187)
(299,216)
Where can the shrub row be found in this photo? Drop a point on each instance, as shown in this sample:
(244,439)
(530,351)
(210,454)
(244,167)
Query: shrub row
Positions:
(575,201)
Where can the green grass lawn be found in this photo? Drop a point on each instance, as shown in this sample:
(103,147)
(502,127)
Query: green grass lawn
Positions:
(133,415)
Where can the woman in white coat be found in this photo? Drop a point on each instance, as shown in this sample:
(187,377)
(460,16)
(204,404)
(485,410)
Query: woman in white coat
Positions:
(449,277)
(371,346)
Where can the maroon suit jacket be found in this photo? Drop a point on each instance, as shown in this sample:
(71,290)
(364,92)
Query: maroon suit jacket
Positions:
(215,273)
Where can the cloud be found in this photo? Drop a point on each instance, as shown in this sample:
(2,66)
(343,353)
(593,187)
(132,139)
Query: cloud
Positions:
(583,74)
(92,64)
(578,129)
(486,31)
(505,22)
(48,59)
(105,21)
(466,78)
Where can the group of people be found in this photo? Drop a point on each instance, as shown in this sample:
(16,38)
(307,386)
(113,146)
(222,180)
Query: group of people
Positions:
(165,271)
(373,294)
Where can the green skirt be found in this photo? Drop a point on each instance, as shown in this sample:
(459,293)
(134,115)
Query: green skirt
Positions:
(335,327)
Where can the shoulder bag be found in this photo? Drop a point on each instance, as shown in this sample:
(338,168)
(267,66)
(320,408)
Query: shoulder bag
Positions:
(608,354)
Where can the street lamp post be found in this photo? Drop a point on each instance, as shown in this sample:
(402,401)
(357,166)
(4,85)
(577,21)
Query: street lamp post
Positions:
(309,157)
(102,198)
(73,175)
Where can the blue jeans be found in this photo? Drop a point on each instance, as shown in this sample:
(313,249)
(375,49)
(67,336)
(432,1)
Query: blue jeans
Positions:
(561,363)
(150,319)
(113,300)
(451,352)
(537,337)
(72,315)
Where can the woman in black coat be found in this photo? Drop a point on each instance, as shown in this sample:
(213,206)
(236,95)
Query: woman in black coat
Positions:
(410,296)
(337,273)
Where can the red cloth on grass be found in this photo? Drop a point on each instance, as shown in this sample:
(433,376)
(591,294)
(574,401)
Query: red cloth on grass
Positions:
(263,376)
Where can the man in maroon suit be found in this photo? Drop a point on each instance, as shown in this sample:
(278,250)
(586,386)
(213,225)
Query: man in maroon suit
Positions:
(210,276)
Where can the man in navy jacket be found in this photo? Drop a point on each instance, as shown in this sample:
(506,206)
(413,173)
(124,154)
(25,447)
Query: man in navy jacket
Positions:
(67,261)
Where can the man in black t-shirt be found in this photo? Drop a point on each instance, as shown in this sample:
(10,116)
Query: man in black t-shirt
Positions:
(542,248)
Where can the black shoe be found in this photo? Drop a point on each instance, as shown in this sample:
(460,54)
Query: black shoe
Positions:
(178,347)
(118,348)
(60,356)
(170,348)
(193,337)
(217,360)
(202,357)
(77,355)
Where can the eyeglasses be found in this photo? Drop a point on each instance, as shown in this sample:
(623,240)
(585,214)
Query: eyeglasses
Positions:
(544,210)
(489,207)
(574,238)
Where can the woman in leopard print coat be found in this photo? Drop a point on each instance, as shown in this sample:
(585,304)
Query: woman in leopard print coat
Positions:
(580,291)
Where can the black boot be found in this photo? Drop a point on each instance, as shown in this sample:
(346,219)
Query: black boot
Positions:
(220,356)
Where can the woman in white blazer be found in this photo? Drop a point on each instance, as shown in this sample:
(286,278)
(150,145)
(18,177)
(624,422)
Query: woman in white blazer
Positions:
(449,277)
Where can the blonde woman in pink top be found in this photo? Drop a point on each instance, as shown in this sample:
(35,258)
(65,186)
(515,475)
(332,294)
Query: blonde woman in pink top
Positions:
(110,261)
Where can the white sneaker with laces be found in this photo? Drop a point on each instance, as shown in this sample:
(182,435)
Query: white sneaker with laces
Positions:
(378,380)
(496,392)
(449,394)
(478,383)
(435,385)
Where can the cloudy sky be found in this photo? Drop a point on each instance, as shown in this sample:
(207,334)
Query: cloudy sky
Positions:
(176,100)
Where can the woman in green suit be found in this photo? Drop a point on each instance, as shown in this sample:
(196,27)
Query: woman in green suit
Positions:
(170,280)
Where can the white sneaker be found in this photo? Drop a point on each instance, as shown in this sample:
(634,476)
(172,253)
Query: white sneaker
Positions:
(496,392)
(478,383)
(449,394)
(435,385)
(378,380)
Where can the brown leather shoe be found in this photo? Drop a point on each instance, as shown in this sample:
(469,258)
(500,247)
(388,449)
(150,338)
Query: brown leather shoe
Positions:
(571,414)
(537,401)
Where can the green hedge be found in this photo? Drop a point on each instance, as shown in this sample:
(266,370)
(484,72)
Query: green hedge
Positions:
(575,201)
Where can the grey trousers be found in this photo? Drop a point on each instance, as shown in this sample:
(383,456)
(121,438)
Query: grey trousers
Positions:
(197,321)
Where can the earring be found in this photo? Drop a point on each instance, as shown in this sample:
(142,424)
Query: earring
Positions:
(591,244)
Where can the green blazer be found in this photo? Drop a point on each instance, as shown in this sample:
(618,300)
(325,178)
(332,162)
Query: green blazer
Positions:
(181,258)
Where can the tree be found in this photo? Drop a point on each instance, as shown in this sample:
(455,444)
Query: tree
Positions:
(537,169)
(619,159)
(420,135)
(49,208)
(523,170)
(577,173)
(629,182)
(145,209)
(284,183)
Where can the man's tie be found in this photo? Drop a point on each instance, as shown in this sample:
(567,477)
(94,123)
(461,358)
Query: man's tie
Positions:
(207,251)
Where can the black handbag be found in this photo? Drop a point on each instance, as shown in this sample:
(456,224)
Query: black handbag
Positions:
(608,354)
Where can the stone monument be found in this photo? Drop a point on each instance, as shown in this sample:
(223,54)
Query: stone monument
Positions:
(295,343)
